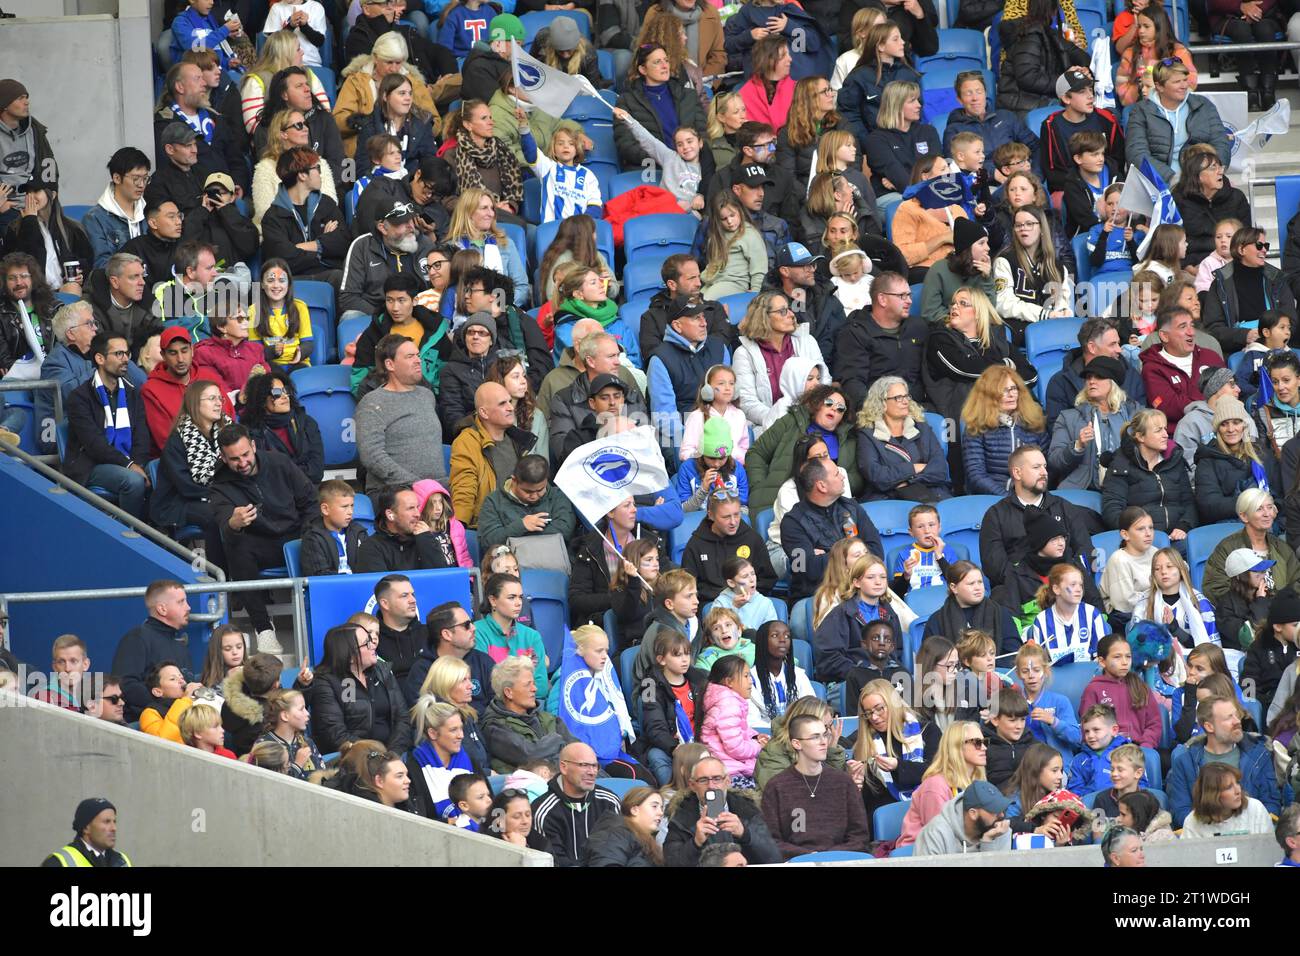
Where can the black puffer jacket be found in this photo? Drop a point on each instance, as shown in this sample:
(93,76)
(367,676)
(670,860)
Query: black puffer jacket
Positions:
(865,352)
(1201,214)
(1164,492)
(342,708)
(636,102)
(707,552)
(459,378)
(612,843)
(953,363)
(1221,477)
(1222,316)
(589,594)
(1035,57)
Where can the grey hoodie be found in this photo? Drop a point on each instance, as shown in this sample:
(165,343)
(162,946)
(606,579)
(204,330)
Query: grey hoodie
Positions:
(946,834)
(1194,430)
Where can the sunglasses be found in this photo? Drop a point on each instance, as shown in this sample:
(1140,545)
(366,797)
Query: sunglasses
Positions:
(113,699)
(1262,246)
(279,392)
(300,125)
(831,403)
(979,743)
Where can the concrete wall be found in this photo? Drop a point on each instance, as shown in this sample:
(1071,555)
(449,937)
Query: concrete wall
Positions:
(91,80)
(178,807)
(1257,850)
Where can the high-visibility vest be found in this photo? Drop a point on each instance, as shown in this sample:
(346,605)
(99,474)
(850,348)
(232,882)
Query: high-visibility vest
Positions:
(71,856)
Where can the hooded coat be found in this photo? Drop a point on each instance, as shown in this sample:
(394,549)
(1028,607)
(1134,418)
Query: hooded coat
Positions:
(1221,477)
(1003,542)
(1034,57)
(837,642)
(1080,469)
(458,380)
(502,514)
(945,834)
(108,226)
(285,499)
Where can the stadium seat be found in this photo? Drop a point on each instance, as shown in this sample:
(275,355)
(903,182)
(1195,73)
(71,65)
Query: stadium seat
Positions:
(1108,542)
(293,558)
(325,391)
(926,601)
(902,850)
(887,821)
(585,108)
(763,521)
(549,593)
(1051,336)
(1092,17)
(619,785)
(533,201)
(678,536)
(319,299)
(1036,117)
(498,783)
(829,856)
(603,148)
(626,660)
(1098,295)
(737,304)
(1071,679)
(888,208)
(890,519)
(913,637)
(1201,543)
(472,546)
(641,277)
(962,47)
(328,81)
(1082,264)
(626,182)
(27,438)
(803,653)
(801,620)
(518,239)
(545,235)
(959,520)
(819,690)
(1153,774)
(917,291)
(446,458)
(664,232)
(1288,204)
(349,331)
(848,726)
(363,512)
(162,49)
(1256,711)
(537,20)
(1047,366)
(939,425)
(630,313)
(76,212)
(288,675)
(1084,499)
(605,63)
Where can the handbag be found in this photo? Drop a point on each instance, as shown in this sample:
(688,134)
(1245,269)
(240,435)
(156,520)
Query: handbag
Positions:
(541,552)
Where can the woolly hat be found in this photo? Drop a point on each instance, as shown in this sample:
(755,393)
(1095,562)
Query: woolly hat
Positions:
(483,320)
(506,26)
(965,233)
(564,34)
(1041,527)
(10,90)
(1070,803)
(87,810)
(1229,409)
(1213,378)
(715,438)
(1285,609)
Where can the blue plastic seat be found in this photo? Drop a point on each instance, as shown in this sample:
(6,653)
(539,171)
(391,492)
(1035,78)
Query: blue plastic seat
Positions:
(293,558)
(1051,336)
(585,108)
(888,208)
(626,182)
(363,512)
(1108,542)
(737,304)
(925,601)
(325,391)
(1071,679)
(1154,777)
(887,821)
(1036,117)
(619,786)
(763,521)
(1047,366)
(319,299)
(801,620)
(682,533)
(630,313)
(890,519)
(350,330)
(829,856)
(328,81)
(472,546)
(1288,204)
(603,148)
(545,235)
(626,660)
(518,238)
(605,63)
(1201,543)
(538,20)
(1084,499)
(1082,264)
(641,276)
(960,520)
(1099,294)
(76,212)
(963,40)
(288,675)
(803,653)
(917,290)
(533,200)
(665,233)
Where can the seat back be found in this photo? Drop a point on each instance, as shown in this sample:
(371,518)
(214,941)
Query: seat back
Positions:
(538,20)
(1201,543)
(960,519)
(887,821)
(319,299)
(1287,191)
(890,519)
(641,276)
(293,558)
(664,232)
(679,536)
(1051,336)
(328,81)
(801,620)
(1071,679)
(325,391)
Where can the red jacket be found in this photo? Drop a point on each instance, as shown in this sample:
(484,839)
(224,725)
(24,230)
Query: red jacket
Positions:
(162,395)
(229,361)
(1140,726)
(640,201)
(1169,389)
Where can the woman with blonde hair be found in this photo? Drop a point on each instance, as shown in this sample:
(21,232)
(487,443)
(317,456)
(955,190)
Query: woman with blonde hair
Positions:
(899,138)
(812,115)
(449,681)
(726,115)
(1146,473)
(360,89)
(1086,436)
(959,761)
(439,756)
(286,130)
(777,754)
(864,596)
(894,744)
(733,249)
(1000,415)
(883,61)
(281,50)
(770,325)
(968,344)
(899,455)
(841,558)
(1231,464)
(474,225)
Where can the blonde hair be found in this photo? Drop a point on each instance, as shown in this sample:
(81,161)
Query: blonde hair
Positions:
(897,713)
(720,104)
(974,642)
(583,635)
(1169,554)
(950,759)
(860,567)
(429,713)
(836,575)
(444,674)
(863,21)
(462,216)
(803,707)
(982,409)
(757,325)
(715,615)
(895,96)
(829,145)
(197,719)
(275,132)
(986,317)
(1130,754)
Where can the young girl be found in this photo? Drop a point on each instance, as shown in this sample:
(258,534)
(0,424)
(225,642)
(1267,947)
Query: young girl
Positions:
(777,679)
(742,595)
(716,399)
(1127,576)
(502,560)
(279,321)
(1155,42)
(568,187)
(1113,240)
(227,649)
(722,637)
(863,20)
(864,597)
(1041,771)
(1051,715)
(499,633)
(851,276)
(307,20)
(631,588)
(725,729)
(1136,709)
(286,725)
(1175,603)
(1143,298)
(1220,257)
(844,554)
(1165,254)
(448,532)
(680,171)
(1067,627)
(384,150)
(1274,336)
(712,470)
(1221,808)
(737,257)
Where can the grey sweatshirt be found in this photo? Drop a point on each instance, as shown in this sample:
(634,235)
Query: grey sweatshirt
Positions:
(399,439)
(946,834)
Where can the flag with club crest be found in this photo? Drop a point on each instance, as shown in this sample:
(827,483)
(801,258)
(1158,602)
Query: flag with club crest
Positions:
(1147,194)
(547,88)
(950,189)
(600,474)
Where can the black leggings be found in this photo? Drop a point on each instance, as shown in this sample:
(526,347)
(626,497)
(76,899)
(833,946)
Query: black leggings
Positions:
(1263,30)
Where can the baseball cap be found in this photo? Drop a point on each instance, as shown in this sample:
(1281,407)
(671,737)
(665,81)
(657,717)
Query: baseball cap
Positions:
(177,134)
(605,381)
(398,212)
(754,175)
(564,34)
(982,795)
(506,26)
(683,308)
(170,335)
(1242,560)
(795,254)
(220,179)
(1072,81)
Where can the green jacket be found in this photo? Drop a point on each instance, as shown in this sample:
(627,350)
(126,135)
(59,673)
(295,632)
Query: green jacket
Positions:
(502,515)
(769,459)
(941,285)
(514,739)
(506,128)
(1285,573)
(775,757)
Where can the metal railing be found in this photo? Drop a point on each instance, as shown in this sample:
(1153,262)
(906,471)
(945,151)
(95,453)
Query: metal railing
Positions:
(1231,49)
(40,385)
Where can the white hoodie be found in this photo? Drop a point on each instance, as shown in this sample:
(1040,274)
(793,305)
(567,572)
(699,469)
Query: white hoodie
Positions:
(134,218)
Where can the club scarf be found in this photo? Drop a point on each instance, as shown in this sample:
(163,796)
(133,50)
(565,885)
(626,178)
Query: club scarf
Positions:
(117,421)
(203,123)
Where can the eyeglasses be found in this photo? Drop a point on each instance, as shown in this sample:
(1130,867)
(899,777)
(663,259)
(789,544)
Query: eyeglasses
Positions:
(139,179)
(979,743)
(898,398)
(582,766)
(1011,390)
(437,263)
(370,641)
(300,125)
(900,295)
(717,781)
(838,406)
(822,736)
(783,311)
(826,92)
(477,330)
(877,710)
(769,147)
(1262,246)
(90,322)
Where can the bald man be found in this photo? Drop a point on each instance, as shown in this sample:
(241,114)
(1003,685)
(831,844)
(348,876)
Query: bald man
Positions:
(559,379)
(484,455)
(572,806)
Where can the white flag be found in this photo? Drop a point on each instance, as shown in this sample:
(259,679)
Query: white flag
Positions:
(601,473)
(1146,194)
(547,88)
(1254,137)
(1103,85)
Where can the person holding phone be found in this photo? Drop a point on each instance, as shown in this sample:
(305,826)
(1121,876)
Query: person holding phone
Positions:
(41,226)
(717,815)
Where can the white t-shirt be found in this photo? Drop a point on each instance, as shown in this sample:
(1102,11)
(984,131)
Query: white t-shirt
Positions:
(1184,364)
(279,16)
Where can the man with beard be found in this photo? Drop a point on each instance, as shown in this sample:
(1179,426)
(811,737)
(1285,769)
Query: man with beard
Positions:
(974,822)
(185,99)
(395,246)
(402,541)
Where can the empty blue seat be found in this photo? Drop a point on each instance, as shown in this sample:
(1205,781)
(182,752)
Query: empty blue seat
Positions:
(888,208)
(925,601)
(518,238)
(325,391)
(603,148)
(328,81)
(939,425)
(737,304)
(801,617)
(605,63)
(763,521)
(472,546)
(1036,117)
(641,276)
(1071,679)
(349,331)
(1047,366)
(538,20)
(960,520)
(1201,543)
(1287,190)
(887,821)
(319,299)
(1084,499)
(626,182)
(586,108)
(1051,336)
(363,511)
(682,533)
(803,653)
(959,47)
(619,785)
(533,200)
(1098,295)
(630,312)
(659,232)
(293,558)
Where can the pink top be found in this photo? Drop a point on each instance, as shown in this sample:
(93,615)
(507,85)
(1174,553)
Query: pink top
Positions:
(927,800)
(1142,726)
(695,426)
(726,731)
(757,107)
(1205,271)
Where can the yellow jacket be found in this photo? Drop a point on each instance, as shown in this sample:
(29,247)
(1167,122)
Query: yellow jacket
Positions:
(472,477)
(169,727)
(357,98)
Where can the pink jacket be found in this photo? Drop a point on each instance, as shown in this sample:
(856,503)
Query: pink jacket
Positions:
(231,361)
(428,486)
(759,110)
(726,730)
(1140,726)
(927,800)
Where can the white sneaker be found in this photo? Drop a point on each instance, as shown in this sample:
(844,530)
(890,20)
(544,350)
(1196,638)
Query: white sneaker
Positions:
(267,644)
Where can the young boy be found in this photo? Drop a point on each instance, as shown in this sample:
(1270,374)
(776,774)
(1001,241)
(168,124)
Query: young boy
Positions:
(385,155)
(923,565)
(670,700)
(1074,89)
(1090,768)
(1010,158)
(1113,240)
(968,157)
(977,652)
(723,629)
(1085,184)
(1008,739)
(471,795)
(1127,766)
(200,728)
(742,595)
(69,664)
(330,543)
(166,685)
(676,602)
(879,641)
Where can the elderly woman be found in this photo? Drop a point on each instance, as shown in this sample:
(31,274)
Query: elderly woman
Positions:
(820,412)
(1230,464)
(969,264)
(1205,198)
(1242,290)
(285,131)
(998,417)
(1257,513)
(1144,473)
(360,90)
(1088,433)
(517,729)
(770,334)
(899,455)
(1150,134)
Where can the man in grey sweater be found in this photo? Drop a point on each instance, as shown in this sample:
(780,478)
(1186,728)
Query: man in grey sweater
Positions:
(974,822)
(399,438)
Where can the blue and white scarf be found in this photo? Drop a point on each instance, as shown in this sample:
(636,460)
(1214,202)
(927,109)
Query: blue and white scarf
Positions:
(1077,638)
(492,257)
(438,778)
(117,421)
(912,751)
(203,123)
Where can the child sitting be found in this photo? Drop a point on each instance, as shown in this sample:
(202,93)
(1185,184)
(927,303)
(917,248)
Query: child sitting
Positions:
(1127,578)
(1166,253)
(286,724)
(568,187)
(464,23)
(1144,297)
(1090,768)
(851,276)
(200,728)
(1274,336)
(725,728)
(1220,257)
(1008,159)
(386,160)
(922,565)
(676,602)
(162,717)
(279,321)
(330,542)
(722,638)
(1127,766)
(1067,627)
(968,162)
(777,679)
(879,643)
(681,172)
(1125,692)
(471,795)
(977,653)
(1008,738)
(532,777)
(309,22)
(742,595)
(1086,184)
(452,549)
(716,399)
(672,714)
(1051,715)
(713,470)
(1113,239)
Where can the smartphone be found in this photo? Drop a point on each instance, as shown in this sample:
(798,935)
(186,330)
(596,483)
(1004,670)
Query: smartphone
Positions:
(70,270)
(715,803)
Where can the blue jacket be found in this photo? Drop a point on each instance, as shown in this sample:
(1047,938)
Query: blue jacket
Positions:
(107,231)
(70,369)
(884,469)
(1090,771)
(193,32)
(464,27)
(415,137)
(675,373)
(996,128)
(1065,734)
(687,480)
(985,456)
(859,99)
(1258,778)
(810,48)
